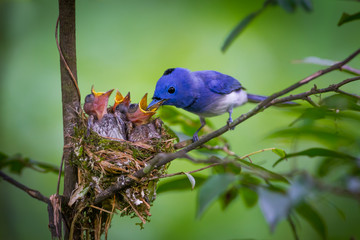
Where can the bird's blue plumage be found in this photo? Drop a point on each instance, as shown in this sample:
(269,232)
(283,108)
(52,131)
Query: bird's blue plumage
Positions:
(218,82)
(205,93)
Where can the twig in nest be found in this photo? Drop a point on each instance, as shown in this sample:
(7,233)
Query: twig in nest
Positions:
(101,209)
(72,228)
(134,208)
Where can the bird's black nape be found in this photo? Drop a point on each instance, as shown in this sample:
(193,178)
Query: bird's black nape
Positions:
(168,71)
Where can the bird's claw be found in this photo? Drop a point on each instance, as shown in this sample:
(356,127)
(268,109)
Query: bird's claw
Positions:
(229,121)
(195,137)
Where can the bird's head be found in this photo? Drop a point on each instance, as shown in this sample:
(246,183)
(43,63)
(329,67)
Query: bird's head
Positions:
(176,87)
(121,103)
(140,114)
(96,103)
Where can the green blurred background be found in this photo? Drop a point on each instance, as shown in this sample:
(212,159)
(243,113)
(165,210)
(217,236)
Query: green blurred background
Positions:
(127,45)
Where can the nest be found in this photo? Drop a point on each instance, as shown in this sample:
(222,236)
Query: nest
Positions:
(103,160)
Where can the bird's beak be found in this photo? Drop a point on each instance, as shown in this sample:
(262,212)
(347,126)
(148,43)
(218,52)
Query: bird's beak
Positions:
(119,99)
(100,102)
(155,104)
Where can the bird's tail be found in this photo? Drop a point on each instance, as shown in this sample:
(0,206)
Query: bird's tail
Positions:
(258,98)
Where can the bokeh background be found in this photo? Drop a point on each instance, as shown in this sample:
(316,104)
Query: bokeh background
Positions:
(128,45)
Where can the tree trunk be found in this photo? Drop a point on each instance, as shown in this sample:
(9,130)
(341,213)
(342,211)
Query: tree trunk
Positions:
(70,96)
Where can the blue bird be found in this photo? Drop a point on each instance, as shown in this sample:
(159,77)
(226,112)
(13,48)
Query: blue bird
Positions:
(205,93)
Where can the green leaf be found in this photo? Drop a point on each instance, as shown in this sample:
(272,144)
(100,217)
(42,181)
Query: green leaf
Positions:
(226,168)
(316,152)
(321,133)
(287,5)
(307,5)
(279,152)
(3,158)
(249,179)
(310,115)
(327,165)
(45,166)
(345,18)
(179,183)
(228,197)
(241,26)
(212,189)
(263,172)
(249,196)
(337,209)
(238,29)
(341,102)
(313,218)
(18,163)
(275,206)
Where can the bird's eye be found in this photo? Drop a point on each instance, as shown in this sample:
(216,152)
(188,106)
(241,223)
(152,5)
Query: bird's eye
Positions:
(171,90)
(133,107)
(89,98)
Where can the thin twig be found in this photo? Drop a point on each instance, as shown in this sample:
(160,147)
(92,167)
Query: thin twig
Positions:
(313,91)
(63,59)
(72,229)
(348,94)
(182,173)
(293,228)
(134,208)
(309,100)
(224,148)
(33,193)
(101,209)
(59,177)
(256,152)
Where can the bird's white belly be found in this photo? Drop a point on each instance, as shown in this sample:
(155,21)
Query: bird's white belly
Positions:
(225,103)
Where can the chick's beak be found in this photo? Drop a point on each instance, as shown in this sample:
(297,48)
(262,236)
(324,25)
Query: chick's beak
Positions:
(143,112)
(100,103)
(119,99)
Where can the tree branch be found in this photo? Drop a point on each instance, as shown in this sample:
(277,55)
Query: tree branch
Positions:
(162,158)
(314,90)
(32,193)
(70,97)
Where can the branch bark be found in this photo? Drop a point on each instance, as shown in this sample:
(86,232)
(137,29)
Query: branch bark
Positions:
(70,95)
(162,159)
(32,193)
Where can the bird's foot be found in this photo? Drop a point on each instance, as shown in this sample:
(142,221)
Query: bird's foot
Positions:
(195,137)
(229,121)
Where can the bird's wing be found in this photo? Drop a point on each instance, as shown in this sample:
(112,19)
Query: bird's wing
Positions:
(218,82)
